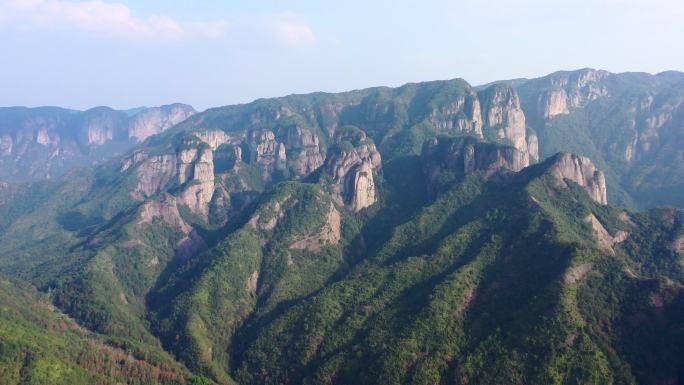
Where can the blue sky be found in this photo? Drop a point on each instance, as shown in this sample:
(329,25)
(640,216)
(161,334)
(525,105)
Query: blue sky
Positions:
(80,54)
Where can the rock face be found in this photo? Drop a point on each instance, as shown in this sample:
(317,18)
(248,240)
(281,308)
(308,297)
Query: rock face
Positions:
(100,125)
(192,168)
(467,155)
(216,138)
(351,169)
(463,114)
(566,90)
(655,123)
(505,119)
(533,146)
(328,234)
(6,144)
(582,171)
(554,102)
(306,151)
(46,142)
(363,186)
(603,237)
(490,159)
(153,174)
(155,120)
(166,209)
(199,183)
(502,112)
(264,149)
(447,158)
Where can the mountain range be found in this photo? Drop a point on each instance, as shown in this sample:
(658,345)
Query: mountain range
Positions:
(524,231)
(46,142)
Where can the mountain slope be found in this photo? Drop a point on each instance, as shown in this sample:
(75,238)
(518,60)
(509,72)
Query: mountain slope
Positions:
(423,234)
(630,124)
(485,285)
(40,345)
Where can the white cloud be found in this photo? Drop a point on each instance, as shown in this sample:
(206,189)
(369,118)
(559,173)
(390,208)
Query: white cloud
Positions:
(292,31)
(103,18)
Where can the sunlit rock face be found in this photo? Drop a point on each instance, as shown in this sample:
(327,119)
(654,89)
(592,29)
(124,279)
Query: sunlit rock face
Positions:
(582,171)
(351,170)
(155,120)
(503,114)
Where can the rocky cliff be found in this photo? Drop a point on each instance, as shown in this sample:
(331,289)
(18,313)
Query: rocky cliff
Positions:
(504,115)
(566,90)
(467,155)
(464,115)
(628,123)
(233,236)
(46,142)
(582,171)
(506,120)
(351,166)
(155,120)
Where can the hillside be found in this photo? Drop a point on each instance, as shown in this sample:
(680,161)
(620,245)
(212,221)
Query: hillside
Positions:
(431,233)
(41,345)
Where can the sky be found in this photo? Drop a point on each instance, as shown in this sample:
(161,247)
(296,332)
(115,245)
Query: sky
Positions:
(124,54)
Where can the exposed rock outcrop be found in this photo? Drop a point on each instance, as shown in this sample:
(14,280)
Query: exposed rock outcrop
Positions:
(257,222)
(533,146)
(46,142)
(603,237)
(307,160)
(154,173)
(328,234)
(582,171)
(568,90)
(363,186)
(463,114)
(134,159)
(466,155)
(653,124)
(351,167)
(101,125)
(155,120)
(252,282)
(6,144)
(191,167)
(490,159)
(306,147)
(264,149)
(554,102)
(678,247)
(216,138)
(166,209)
(502,112)
(199,188)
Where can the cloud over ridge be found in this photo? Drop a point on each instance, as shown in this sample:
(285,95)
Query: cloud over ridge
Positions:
(109,19)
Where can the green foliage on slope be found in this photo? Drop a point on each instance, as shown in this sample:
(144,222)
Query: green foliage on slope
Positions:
(465,279)
(41,345)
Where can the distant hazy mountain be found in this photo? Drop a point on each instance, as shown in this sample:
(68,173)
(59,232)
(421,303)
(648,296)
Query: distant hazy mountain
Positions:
(46,142)
(434,233)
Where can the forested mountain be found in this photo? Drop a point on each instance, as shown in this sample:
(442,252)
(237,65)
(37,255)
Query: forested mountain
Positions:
(435,233)
(46,142)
